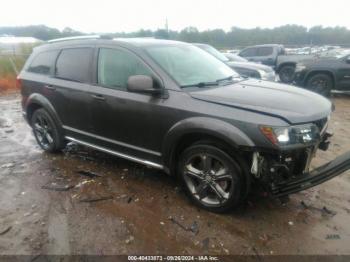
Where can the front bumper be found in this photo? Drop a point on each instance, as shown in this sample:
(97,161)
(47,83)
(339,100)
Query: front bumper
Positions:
(317,176)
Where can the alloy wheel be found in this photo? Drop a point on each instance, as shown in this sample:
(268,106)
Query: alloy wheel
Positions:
(208,179)
(43,131)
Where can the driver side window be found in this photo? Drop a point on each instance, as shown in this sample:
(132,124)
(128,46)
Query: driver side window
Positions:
(115,66)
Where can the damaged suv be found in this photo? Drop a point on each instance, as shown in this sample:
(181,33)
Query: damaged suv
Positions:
(172,106)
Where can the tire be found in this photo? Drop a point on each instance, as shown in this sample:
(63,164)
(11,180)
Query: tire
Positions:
(286,73)
(201,169)
(320,83)
(46,131)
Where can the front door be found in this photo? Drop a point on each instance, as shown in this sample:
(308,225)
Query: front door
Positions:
(120,119)
(343,74)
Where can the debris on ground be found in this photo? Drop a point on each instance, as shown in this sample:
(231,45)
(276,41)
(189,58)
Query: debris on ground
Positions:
(8,165)
(194,228)
(3,232)
(129,240)
(84,182)
(88,173)
(9,131)
(324,210)
(290,223)
(328,211)
(57,187)
(96,199)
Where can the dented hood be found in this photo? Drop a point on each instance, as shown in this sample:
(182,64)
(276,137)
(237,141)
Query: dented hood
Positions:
(292,104)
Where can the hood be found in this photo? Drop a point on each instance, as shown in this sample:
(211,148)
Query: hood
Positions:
(251,65)
(292,104)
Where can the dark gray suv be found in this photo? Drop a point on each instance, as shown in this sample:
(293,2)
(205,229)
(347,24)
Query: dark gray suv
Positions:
(173,106)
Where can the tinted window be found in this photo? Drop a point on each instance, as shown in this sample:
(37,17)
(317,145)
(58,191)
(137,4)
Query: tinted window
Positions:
(115,66)
(248,52)
(265,51)
(43,63)
(73,64)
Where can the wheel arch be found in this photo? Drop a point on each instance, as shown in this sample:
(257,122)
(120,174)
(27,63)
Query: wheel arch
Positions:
(191,130)
(36,101)
(320,71)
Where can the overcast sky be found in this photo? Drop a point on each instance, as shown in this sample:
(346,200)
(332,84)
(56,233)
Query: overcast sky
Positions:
(131,15)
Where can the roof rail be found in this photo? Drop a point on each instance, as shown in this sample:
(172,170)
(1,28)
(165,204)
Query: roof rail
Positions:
(75,38)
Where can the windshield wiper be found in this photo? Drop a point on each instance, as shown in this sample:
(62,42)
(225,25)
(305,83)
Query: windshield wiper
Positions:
(201,84)
(215,83)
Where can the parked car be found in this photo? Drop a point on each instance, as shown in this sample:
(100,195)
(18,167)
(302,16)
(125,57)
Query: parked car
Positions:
(275,56)
(327,72)
(171,106)
(241,65)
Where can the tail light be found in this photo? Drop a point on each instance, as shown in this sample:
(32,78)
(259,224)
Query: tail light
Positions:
(18,83)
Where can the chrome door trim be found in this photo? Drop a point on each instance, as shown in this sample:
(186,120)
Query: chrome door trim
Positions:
(103,149)
(112,141)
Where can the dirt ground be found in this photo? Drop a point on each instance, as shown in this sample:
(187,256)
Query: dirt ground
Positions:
(47,207)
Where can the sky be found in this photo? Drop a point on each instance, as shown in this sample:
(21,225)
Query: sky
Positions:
(131,15)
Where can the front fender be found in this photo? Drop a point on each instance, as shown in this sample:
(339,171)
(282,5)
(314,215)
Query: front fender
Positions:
(206,126)
(36,100)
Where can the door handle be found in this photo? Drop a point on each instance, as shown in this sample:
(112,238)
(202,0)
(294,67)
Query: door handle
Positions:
(50,87)
(98,97)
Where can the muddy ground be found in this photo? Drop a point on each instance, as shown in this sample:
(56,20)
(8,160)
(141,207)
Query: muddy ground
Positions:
(131,209)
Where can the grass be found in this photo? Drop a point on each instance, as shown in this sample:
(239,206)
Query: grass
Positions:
(8,63)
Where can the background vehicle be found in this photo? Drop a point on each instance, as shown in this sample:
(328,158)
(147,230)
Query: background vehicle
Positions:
(275,56)
(241,65)
(171,106)
(326,72)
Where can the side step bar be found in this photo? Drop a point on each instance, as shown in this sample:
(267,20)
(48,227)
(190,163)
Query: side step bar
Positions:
(317,176)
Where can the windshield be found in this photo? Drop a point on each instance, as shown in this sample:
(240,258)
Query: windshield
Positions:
(189,65)
(211,50)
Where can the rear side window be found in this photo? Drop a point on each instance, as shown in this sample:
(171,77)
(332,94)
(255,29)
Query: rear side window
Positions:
(115,66)
(43,63)
(248,52)
(74,64)
(265,51)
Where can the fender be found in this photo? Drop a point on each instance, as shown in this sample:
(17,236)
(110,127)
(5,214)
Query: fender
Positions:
(206,126)
(42,101)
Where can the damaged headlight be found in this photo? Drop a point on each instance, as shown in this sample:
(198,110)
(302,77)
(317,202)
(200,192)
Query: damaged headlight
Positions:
(283,136)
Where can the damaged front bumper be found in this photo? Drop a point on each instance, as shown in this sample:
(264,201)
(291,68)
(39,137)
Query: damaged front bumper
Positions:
(312,178)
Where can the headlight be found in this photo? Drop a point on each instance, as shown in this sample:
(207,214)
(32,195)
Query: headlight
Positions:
(299,67)
(283,136)
(267,75)
(263,74)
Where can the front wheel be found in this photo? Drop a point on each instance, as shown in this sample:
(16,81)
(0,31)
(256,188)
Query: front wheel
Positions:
(212,179)
(320,83)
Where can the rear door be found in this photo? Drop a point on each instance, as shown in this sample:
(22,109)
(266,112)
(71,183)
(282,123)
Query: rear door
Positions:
(71,83)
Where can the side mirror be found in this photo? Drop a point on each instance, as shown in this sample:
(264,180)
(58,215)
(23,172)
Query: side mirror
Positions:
(142,84)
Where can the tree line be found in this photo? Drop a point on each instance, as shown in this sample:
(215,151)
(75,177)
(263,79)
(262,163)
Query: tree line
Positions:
(289,35)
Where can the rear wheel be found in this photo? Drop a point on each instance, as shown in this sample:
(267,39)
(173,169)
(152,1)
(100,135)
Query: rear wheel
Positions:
(286,73)
(320,83)
(212,179)
(46,131)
